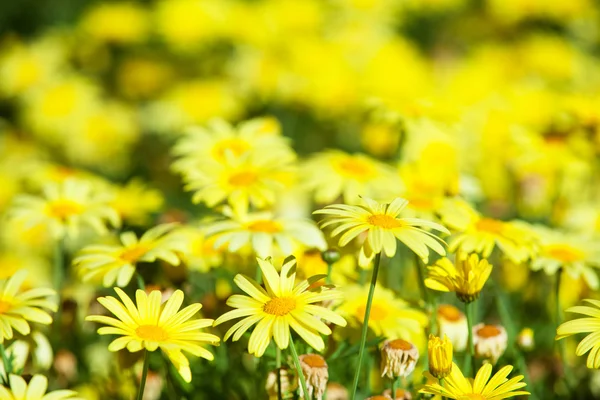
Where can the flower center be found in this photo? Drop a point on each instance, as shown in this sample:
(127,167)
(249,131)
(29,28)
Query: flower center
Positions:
(152,333)
(4,306)
(449,312)
(565,253)
(243,178)
(237,147)
(400,344)
(356,168)
(384,221)
(488,331)
(379,397)
(264,225)
(134,253)
(420,203)
(378,313)
(471,396)
(62,209)
(280,306)
(490,225)
(314,361)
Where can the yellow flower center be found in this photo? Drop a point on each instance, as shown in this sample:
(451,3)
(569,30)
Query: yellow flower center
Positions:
(471,396)
(449,312)
(265,226)
(400,344)
(4,306)
(356,168)
(152,333)
(280,306)
(384,221)
(378,313)
(237,147)
(134,253)
(62,209)
(243,178)
(420,203)
(488,331)
(490,225)
(314,361)
(565,253)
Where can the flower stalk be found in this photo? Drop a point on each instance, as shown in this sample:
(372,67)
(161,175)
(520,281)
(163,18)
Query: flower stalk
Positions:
(140,395)
(299,369)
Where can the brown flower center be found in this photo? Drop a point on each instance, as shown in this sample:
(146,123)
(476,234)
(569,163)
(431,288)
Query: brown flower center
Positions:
(490,225)
(265,226)
(488,331)
(471,396)
(314,361)
(280,306)
(152,333)
(449,312)
(400,344)
(384,221)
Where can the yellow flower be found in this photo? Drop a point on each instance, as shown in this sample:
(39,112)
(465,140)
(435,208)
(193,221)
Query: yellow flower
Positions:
(220,140)
(64,208)
(590,325)
(457,387)
(255,179)
(279,307)
(17,307)
(135,202)
(440,356)
(391,317)
(198,250)
(265,233)
(151,325)
(383,226)
(575,254)
(116,22)
(334,173)
(478,234)
(19,389)
(118,262)
(466,277)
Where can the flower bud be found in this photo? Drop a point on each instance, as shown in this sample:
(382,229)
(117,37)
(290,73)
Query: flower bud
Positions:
(440,356)
(525,339)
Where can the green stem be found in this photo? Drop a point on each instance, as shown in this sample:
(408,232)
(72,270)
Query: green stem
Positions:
(329,270)
(471,355)
(140,281)
(365,327)
(395,386)
(299,369)
(144,375)
(421,279)
(561,343)
(5,361)
(278,366)
(58,273)
(442,385)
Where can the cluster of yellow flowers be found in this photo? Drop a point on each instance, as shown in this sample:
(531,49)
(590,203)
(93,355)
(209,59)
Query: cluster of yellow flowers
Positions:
(238,170)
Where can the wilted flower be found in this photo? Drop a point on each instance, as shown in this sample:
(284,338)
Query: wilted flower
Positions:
(453,324)
(398,358)
(490,341)
(316,372)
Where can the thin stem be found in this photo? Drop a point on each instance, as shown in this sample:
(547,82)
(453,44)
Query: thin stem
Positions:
(299,369)
(421,279)
(140,281)
(329,270)
(144,375)
(5,361)
(395,385)
(58,273)
(561,343)
(365,327)
(442,385)
(278,366)
(471,356)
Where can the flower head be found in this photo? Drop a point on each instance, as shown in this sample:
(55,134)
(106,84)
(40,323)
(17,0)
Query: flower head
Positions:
(382,224)
(591,325)
(440,356)
(151,325)
(65,207)
(279,307)
(314,367)
(18,389)
(118,263)
(457,387)
(490,341)
(17,307)
(453,323)
(466,277)
(398,358)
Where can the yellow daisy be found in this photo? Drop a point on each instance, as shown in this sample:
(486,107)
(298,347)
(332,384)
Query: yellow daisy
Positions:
(19,389)
(590,325)
(391,317)
(575,254)
(118,262)
(198,250)
(478,234)
(65,207)
(135,202)
(466,277)
(254,179)
(18,307)
(457,387)
(220,140)
(266,233)
(334,173)
(383,226)
(278,307)
(151,325)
